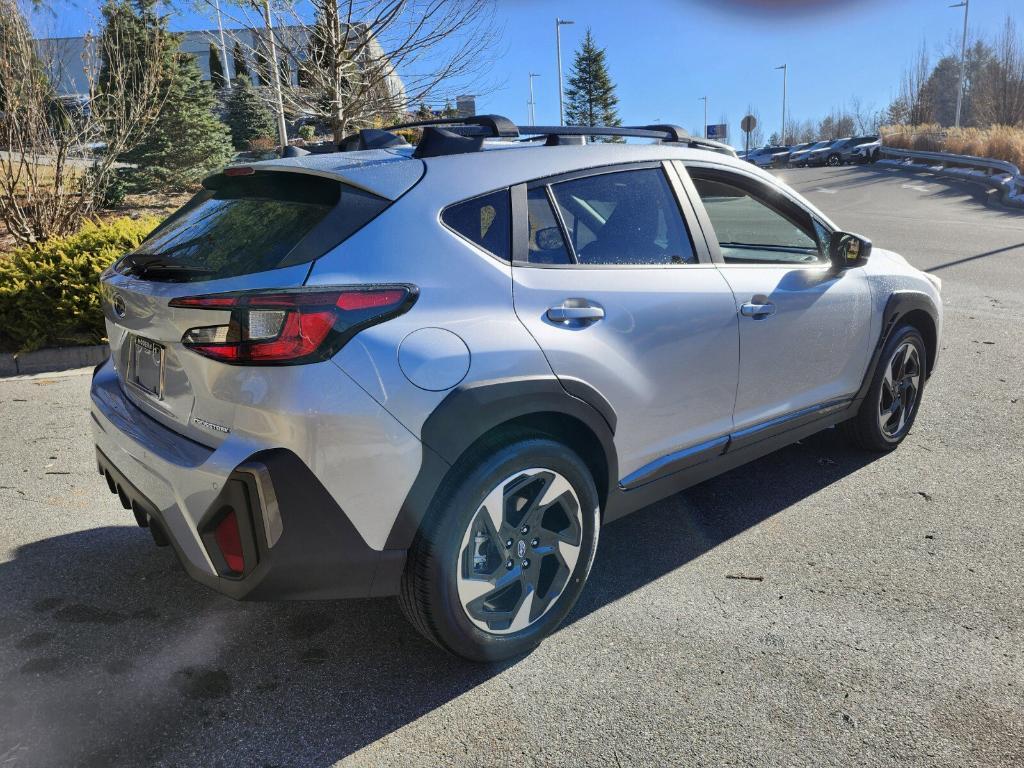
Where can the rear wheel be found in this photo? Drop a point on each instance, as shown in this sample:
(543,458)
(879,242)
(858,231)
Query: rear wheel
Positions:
(504,550)
(891,404)
(833,159)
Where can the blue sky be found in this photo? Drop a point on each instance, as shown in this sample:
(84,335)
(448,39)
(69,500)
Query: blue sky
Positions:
(665,54)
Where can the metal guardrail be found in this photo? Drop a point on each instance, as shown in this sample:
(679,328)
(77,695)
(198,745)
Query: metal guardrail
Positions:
(1012,186)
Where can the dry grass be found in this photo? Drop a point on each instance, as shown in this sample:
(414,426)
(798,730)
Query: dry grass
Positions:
(1001,142)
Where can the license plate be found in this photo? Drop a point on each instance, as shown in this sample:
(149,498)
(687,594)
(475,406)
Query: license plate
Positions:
(147,369)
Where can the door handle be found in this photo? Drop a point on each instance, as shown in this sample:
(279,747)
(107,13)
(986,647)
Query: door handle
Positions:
(758,311)
(567,313)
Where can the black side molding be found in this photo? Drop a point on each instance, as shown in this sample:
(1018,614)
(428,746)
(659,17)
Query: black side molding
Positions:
(899,305)
(469,412)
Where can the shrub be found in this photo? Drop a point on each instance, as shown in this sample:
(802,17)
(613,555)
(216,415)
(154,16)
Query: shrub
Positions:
(307,132)
(50,296)
(262,144)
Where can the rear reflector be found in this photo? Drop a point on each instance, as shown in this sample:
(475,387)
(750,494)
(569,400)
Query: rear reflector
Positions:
(229,541)
(290,326)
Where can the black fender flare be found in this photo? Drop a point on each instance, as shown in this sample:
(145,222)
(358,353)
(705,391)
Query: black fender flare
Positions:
(470,411)
(899,305)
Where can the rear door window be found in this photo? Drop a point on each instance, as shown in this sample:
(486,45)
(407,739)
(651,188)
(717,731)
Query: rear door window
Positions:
(624,217)
(254,223)
(485,221)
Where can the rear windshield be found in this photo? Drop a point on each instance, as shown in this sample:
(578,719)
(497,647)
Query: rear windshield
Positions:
(250,224)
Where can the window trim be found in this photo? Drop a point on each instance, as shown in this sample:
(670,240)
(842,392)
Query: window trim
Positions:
(511,228)
(521,227)
(729,173)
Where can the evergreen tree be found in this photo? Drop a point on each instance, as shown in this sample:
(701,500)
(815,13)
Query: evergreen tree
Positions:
(217,76)
(134,29)
(590,97)
(188,141)
(241,68)
(248,116)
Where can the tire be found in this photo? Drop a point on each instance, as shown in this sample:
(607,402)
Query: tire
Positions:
(833,160)
(888,411)
(459,555)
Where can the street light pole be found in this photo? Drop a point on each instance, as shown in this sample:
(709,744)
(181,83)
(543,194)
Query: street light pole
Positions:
(705,100)
(785,77)
(533,104)
(558,47)
(966,4)
(282,129)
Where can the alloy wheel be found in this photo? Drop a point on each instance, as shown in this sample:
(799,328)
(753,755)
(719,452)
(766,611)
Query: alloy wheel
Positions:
(899,392)
(519,551)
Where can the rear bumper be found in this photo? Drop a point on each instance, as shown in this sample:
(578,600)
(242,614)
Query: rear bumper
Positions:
(299,542)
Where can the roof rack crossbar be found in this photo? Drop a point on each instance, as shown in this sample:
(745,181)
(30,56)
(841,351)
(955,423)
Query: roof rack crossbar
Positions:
(498,126)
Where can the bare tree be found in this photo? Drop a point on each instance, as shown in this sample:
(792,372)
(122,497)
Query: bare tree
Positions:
(49,180)
(913,94)
(1000,94)
(866,118)
(360,62)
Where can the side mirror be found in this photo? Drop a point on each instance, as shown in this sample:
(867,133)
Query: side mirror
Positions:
(847,250)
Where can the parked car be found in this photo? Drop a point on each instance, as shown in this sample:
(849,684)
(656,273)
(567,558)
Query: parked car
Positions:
(799,157)
(830,154)
(869,152)
(846,155)
(436,372)
(768,156)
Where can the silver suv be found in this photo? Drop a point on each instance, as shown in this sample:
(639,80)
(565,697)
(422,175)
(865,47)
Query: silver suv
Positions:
(435,372)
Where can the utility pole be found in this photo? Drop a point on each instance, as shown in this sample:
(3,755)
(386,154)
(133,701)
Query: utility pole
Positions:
(559,23)
(785,77)
(966,4)
(705,100)
(532,103)
(282,129)
(223,45)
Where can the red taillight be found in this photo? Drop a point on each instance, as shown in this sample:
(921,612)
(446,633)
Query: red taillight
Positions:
(229,541)
(293,326)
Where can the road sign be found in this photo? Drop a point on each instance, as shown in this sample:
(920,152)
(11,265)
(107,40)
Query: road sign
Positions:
(718,132)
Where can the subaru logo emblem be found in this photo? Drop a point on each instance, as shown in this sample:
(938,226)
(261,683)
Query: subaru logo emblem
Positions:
(522,548)
(118,304)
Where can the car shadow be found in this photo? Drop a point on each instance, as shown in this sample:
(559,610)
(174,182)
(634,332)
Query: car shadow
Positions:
(112,655)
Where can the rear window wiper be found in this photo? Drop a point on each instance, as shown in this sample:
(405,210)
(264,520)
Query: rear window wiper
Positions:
(153,265)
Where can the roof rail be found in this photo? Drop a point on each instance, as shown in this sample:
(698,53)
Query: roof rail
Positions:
(460,135)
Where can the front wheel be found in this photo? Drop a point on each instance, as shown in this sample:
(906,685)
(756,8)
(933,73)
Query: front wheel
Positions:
(891,404)
(504,550)
(833,160)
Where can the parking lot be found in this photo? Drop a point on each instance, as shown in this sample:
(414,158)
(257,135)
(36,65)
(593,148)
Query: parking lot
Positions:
(820,607)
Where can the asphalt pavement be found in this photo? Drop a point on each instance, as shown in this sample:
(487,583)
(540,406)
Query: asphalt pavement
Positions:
(820,607)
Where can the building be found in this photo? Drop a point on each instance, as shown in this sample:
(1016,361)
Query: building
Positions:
(71,57)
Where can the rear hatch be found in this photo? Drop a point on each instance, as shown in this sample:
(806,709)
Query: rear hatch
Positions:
(250,228)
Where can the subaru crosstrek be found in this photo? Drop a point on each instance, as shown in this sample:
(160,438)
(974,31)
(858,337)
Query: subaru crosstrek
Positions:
(436,372)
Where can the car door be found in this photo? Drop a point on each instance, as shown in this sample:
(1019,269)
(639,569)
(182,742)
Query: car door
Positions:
(804,327)
(620,297)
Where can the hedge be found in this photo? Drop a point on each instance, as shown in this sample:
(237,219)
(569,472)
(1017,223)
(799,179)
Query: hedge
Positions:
(50,297)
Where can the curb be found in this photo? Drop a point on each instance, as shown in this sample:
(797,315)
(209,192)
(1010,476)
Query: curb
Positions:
(54,359)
